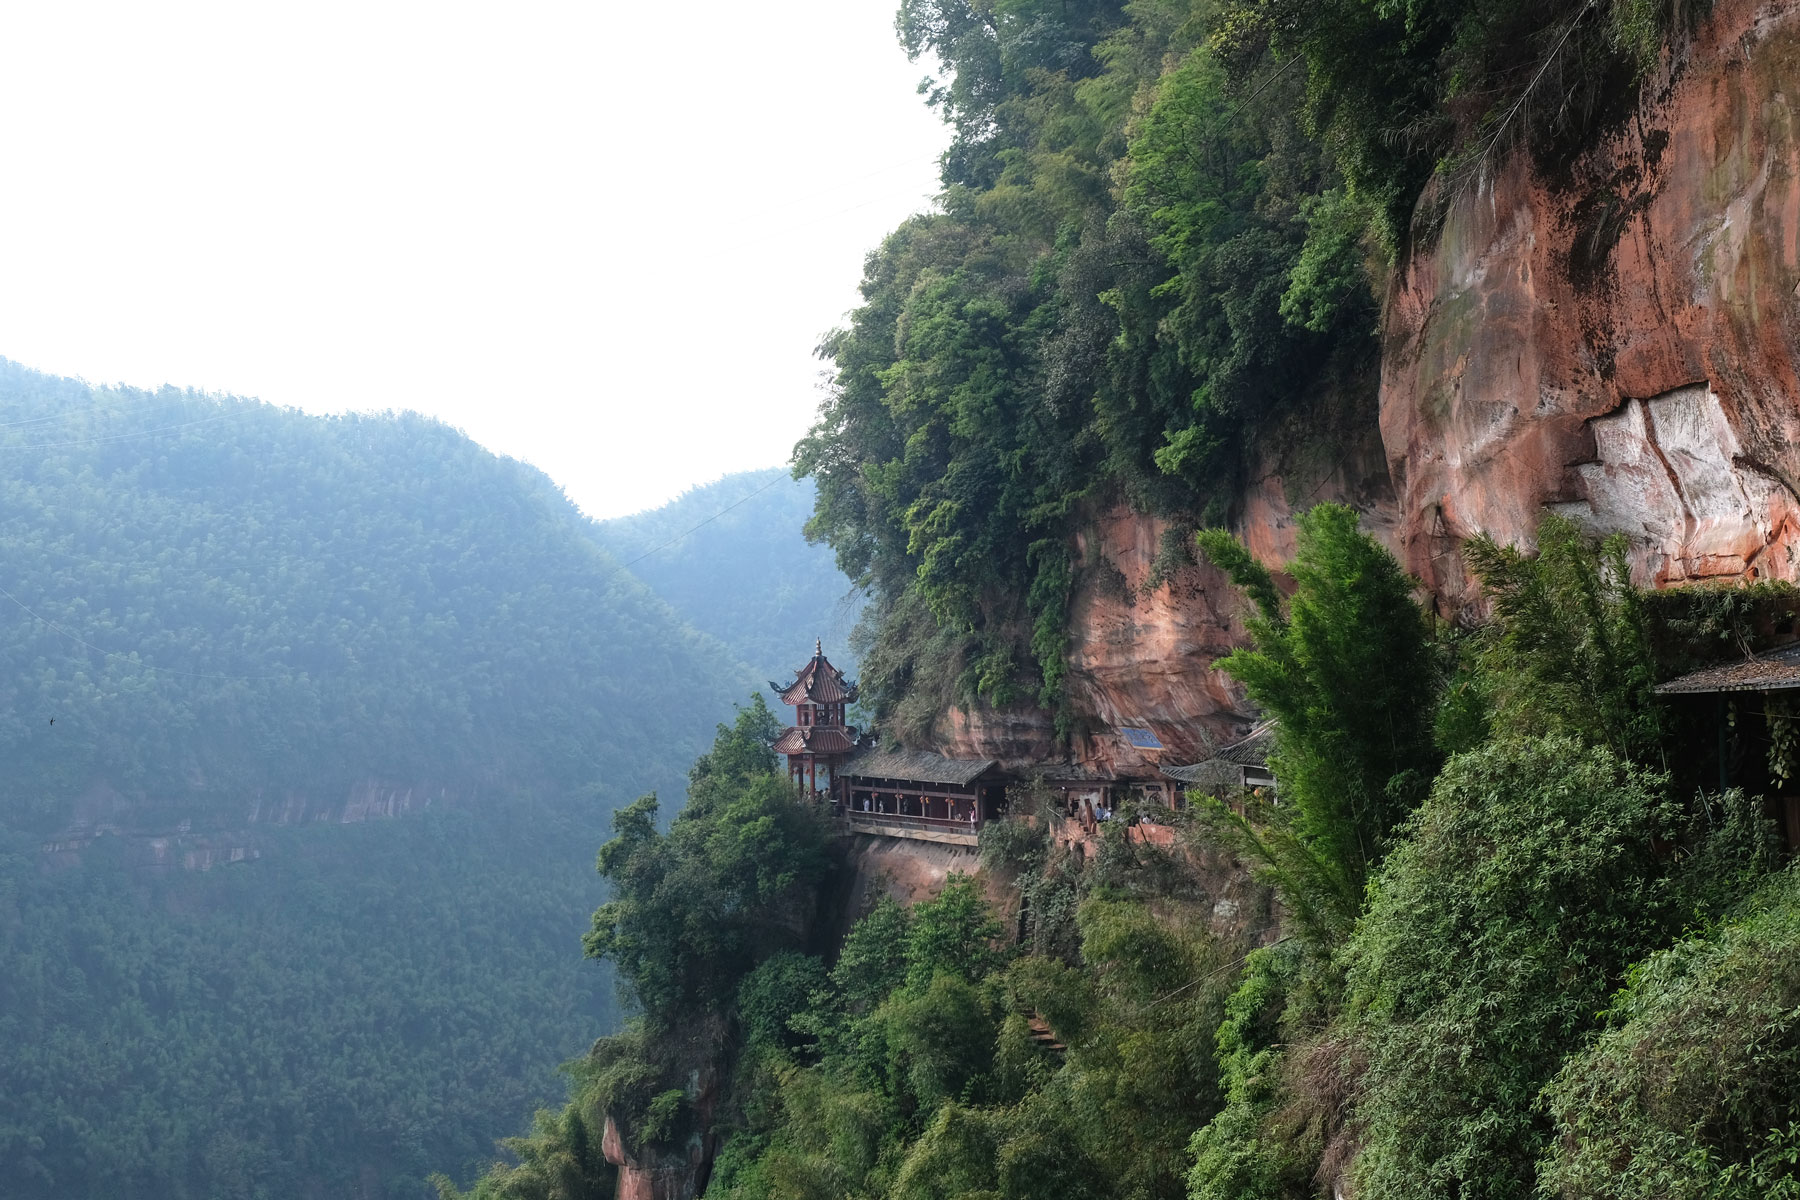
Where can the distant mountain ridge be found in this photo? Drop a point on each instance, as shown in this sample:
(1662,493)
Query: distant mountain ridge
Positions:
(240,635)
(732,559)
(231,603)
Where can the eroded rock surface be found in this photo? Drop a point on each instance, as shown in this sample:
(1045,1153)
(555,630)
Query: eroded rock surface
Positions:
(161,837)
(1145,627)
(1621,342)
(1670,474)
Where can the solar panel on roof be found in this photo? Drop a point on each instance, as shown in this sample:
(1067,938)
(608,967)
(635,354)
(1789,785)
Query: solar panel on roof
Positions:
(1143,739)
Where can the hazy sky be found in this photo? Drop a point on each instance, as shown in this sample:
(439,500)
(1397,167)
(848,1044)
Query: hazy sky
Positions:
(602,237)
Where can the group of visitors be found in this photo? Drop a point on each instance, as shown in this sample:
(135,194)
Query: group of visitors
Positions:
(876,804)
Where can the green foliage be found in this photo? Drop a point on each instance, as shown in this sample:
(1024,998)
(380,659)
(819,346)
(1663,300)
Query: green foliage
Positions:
(236,600)
(727,557)
(873,961)
(363,1002)
(559,1160)
(1096,310)
(704,925)
(1243,1153)
(929,1081)
(1404,89)
(1019,846)
(1696,626)
(1531,880)
(1569,647)
(953,933)
(732,881)
(779,989)
(940,1036)
(1346,668)
(1254,306)
(1328,288)
(658,1125)
(1691,1092)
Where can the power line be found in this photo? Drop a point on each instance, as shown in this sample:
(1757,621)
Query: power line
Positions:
(94,409)
(753,495)
(132,656)
(1213,974)
(108,438)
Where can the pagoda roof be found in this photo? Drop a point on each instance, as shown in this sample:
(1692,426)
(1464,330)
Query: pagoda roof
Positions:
(816,739)
(818,682)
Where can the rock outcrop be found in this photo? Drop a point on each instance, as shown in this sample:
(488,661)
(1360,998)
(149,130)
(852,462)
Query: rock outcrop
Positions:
(1620,342)
(161,839)
(1146,622)
(679,1176)
(676,1171)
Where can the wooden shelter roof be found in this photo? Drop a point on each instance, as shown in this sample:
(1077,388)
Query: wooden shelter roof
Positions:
(818,682)
(1251,750)
(916,766)
(1775,671)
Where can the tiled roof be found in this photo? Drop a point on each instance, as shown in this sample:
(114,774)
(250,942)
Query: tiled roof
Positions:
(1214,772)
(1225,767)
(1776,671)
(818,682)
(918,766)
(1251,750)
(816,739)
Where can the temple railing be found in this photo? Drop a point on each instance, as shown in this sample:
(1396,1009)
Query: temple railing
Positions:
(931,829)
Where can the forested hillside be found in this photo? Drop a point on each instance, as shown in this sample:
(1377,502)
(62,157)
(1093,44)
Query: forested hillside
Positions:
(730,559)
(221,620)
(217,599)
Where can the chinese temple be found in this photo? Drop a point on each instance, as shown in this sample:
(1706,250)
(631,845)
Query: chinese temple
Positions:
(919,794)
(818,741)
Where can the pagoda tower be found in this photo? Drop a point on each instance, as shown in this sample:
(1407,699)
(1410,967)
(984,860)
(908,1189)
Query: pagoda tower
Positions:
(818,742)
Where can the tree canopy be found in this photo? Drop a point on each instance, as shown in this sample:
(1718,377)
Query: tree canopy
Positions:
(236,614)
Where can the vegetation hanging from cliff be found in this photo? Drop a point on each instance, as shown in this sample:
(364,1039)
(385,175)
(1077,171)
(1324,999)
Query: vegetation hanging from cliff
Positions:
(1122,283)
(1163,227)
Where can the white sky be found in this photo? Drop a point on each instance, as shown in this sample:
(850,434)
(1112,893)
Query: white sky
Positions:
(601,237)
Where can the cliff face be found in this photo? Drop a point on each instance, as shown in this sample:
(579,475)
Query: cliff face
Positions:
(1143,640)
(1619,343)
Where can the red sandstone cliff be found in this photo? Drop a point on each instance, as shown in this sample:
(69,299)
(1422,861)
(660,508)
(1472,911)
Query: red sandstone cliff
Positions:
(1141,654)
(1620,344)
